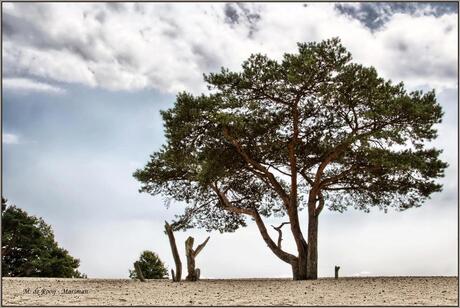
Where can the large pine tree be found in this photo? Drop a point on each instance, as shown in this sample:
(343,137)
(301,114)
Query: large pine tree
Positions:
(313,130)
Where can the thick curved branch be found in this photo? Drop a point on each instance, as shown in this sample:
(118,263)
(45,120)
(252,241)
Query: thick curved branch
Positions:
(328,159)
(286,257)
(226,204)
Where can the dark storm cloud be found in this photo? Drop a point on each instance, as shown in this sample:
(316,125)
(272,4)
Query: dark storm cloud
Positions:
(236,13)
(375,15)
(252,17)
(231,14)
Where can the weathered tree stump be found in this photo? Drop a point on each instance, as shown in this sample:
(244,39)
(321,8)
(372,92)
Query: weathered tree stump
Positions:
(337,272)
(177,276)
(138,270)
(193,274)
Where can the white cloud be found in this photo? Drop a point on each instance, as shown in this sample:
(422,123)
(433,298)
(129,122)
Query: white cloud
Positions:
(10,138)
(168,46)
(25,85)
(426,54)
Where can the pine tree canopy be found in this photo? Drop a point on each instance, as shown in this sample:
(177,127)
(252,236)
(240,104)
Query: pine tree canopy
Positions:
(279,133)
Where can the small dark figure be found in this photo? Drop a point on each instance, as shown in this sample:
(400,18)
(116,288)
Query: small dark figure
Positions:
(337,271)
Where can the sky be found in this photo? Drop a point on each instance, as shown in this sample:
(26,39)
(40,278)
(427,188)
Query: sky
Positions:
(83,85)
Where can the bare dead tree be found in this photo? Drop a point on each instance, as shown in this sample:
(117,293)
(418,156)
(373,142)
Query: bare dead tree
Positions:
(177,276)
(337,272)
(193,274)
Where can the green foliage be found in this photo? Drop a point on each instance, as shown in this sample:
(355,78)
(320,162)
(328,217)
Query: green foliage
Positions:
(151,266)
(29,248)
(358,140)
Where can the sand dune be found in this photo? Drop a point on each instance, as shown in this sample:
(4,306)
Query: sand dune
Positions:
(122,292)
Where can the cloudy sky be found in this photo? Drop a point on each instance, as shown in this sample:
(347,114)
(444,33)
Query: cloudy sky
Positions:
(83,85)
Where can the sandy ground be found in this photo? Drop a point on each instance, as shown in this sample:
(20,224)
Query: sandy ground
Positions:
(122,292)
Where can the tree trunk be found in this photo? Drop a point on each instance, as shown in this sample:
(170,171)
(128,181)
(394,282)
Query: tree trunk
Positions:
(176,277)
(336,273)
(302,265)
(299,271)
(190,259)
(295,271)
(193,273)
(312,260)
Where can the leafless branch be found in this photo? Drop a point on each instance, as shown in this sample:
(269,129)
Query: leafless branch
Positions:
(280,232)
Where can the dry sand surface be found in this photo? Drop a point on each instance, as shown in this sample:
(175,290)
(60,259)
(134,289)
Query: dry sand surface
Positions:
(122,292)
